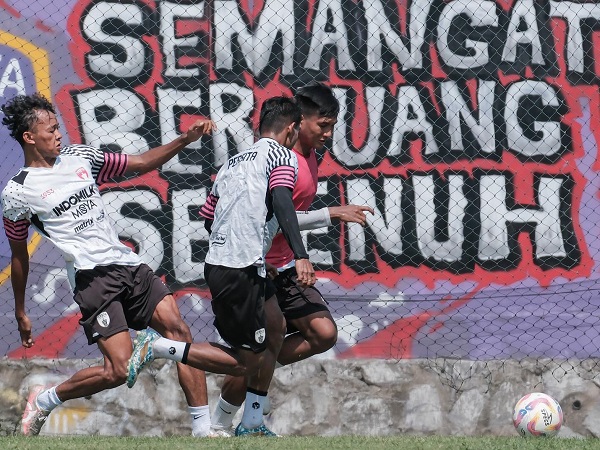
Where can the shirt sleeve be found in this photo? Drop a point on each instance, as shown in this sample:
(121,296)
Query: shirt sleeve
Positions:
(282,168)
(16,219)
(105,165)
(16,231)
(115,165)
(309,220)
(282,176)
(208,210)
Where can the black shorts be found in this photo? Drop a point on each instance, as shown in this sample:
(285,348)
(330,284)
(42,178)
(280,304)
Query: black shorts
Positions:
(115,298)
(294,301)
(238,302)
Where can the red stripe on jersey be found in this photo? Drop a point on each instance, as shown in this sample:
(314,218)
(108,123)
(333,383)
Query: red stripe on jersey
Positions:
(208,210)
(16,231)
(114,166)
(282,176)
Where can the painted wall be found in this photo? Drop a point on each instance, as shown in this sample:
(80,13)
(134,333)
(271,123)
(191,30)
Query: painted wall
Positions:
(470,127)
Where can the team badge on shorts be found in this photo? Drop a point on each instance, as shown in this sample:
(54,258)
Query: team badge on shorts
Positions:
(259,335)
(103,319)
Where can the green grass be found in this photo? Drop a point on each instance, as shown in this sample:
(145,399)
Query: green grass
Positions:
(296,443)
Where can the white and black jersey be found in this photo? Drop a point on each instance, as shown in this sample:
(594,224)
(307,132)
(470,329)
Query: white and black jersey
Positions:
(63,203)
(240,203)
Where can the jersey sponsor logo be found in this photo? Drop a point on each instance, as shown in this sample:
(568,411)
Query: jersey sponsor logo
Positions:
(248,156)
(218,239)
(82,173)
(172,350)
(259,335)
(83,225)
(76,200)
(103,319)
(47,193)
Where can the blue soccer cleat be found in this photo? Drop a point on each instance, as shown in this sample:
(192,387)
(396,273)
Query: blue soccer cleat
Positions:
(261,430)
(142,354)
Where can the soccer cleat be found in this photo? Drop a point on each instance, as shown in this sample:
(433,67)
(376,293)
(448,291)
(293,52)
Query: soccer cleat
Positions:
(142,354)
(261,430)
(34,417)
(221,432)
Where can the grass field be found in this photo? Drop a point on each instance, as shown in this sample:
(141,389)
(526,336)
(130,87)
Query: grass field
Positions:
(297,443)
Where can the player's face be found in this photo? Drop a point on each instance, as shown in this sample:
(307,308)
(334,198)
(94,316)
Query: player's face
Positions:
(45,135)
(315,130)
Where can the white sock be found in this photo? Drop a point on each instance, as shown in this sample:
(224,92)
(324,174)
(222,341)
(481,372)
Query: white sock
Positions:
(169,349)
(200,420)
(253,409)
(48,400)
(223,413)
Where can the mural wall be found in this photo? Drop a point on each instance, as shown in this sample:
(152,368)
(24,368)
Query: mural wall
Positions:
(469,126)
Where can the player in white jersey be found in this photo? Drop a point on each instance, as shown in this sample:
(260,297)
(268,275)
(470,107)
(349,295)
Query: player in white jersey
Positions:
(56,192)
(249,190)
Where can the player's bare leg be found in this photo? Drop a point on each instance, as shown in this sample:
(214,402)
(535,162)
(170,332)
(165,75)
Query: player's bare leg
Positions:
(317,333)
(174,343)
(258,381)
(168,322)
(116,350)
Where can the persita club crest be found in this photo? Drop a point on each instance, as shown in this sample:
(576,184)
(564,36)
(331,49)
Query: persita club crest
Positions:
(259,335)
(103,319)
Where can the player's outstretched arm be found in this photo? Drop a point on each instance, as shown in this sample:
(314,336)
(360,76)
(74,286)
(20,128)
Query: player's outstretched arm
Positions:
(156,157)
(309,220)
(19,266)
(351,213)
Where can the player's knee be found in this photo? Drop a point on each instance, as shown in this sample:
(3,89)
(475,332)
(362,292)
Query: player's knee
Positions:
(325,339)
(115,375)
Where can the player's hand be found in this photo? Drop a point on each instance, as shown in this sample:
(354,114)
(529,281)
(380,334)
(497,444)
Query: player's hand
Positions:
(24,325)
(199,128)
(305,272)
(272,271)
(350,213)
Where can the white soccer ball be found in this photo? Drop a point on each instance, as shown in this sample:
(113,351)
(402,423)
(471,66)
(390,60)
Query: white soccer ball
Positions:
(537,414)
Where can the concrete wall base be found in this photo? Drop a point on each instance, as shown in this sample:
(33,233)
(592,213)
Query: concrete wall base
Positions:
(325,398)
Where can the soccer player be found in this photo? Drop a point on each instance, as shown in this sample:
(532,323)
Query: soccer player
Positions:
(250,199)
(310,326)
(57,193)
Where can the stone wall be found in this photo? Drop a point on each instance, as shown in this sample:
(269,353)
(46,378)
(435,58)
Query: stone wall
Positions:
(326,397)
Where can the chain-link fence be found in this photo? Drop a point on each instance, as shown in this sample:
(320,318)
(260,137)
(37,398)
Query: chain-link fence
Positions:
(470,127)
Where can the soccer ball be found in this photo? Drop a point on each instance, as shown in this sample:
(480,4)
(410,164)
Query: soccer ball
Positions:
(537,414)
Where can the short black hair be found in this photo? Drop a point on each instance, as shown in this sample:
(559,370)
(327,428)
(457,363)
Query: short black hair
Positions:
(277,113)
(317,99)
(21,113)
